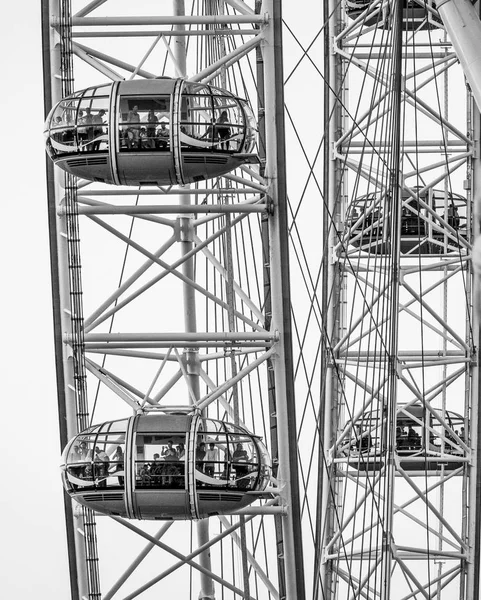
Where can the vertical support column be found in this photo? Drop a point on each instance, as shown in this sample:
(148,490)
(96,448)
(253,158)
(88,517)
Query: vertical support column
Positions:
(271,388)
(281,305)
(207,591)
(393,198)
(61,294)
(461,19)
(473,524)
(328,414)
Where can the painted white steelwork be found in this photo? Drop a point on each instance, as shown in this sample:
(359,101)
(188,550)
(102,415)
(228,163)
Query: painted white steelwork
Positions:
(163,302)
(355,359)
(400,424)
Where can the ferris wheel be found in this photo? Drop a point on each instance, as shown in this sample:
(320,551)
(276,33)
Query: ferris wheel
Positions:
(261,233)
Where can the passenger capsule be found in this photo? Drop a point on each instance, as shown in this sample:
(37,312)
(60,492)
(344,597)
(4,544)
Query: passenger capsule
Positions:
(165,466)
(432,223)
(423,441)
(416,16)
(151,132)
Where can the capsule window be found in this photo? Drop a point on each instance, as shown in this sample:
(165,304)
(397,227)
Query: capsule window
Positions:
(108,459)
(226,461)
(92,124)
(409,435)
(61,137)
(229,124)
(144,123)
(214,468)
(160,461)
(251,128)
(80,473)
(210,122)
(94,456)
(244,462)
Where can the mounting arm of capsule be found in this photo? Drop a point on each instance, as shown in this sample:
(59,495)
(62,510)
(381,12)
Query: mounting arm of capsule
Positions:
(463,25)
(460,17)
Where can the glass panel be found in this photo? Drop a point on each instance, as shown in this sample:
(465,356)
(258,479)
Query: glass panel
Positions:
(109,453)
(212,122)
(214,427)
(80,461)
(196,122)
(115,426)
(251,129)
(101,90)
(200,449)
(117,466)
(195,88)
(218,91)
(212,464)
(83,448)
(160,460)
(62,128)
(408,435)
(101,464)
(229,125)
(245,462)
(64,113)
(236,429)
(97,460)
(92,124)
(144,123)
(451,441)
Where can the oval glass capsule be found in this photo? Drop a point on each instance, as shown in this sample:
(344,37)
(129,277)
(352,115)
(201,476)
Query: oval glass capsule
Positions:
(151,132)
(165,466)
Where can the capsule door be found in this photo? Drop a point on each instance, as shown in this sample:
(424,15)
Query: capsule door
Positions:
(158,473)
(143,139)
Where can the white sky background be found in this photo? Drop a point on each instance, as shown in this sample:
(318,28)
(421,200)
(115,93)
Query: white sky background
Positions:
(33,554)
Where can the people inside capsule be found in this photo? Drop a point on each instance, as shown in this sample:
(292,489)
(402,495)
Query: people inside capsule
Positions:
(82,126)
(432,223)
(415,15)
(411,435)
(118,463)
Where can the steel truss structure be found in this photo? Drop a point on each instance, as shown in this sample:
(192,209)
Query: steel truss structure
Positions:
(166,296)
(399,509)
(177,295)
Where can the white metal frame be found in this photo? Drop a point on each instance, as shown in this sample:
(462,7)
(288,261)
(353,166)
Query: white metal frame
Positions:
(426,286)
(249,193)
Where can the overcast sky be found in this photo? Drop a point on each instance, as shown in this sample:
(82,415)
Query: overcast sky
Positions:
(32,547)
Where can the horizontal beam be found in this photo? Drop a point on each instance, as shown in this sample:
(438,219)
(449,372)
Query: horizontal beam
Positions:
(173,192)
(167,209)
(262,510)
(406,55)
(168,20)
(414,143)
(442,44)
(178,337)
(372,553)
(421,460)
(166,33)
(126,345)
(403,354)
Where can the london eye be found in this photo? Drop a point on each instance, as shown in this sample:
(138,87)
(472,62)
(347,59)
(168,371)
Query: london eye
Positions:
(262,219)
